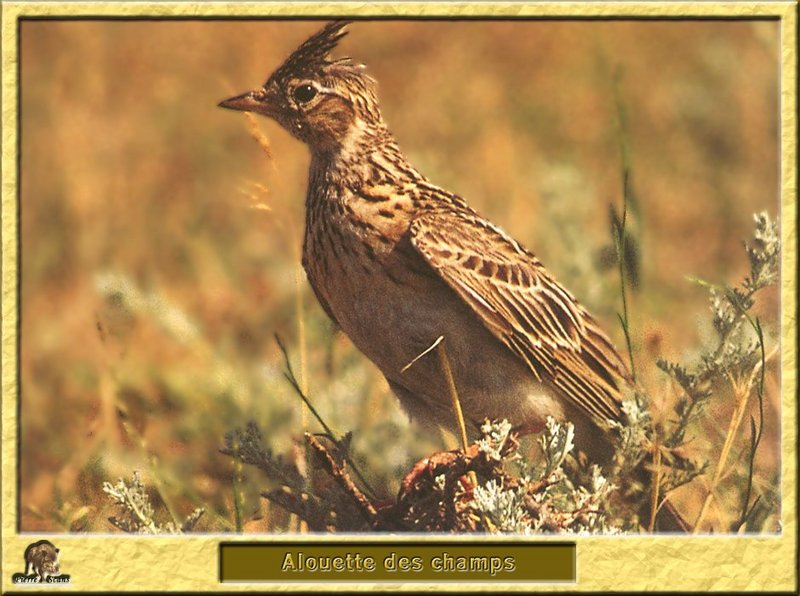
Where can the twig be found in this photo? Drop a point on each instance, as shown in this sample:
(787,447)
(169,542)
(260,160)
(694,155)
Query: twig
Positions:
(619,228)
(304,505)
(742,390)
(655,485)
(290,376)
(755,434)
(301,338)
(451,386)
(238,504)
(427,350)
(339,474)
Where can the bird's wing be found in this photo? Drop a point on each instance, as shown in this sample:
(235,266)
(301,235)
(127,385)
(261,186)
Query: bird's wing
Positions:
(522,305)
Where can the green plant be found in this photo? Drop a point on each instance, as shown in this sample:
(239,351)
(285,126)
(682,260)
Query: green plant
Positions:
(737,359)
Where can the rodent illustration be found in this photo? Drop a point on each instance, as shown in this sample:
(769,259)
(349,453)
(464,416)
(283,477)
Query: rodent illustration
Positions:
(41,558)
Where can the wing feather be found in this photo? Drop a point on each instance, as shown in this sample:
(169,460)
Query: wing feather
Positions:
(523,306)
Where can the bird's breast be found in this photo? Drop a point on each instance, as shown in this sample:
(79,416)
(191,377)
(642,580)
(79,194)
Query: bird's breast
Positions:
(372,289)
(394,307)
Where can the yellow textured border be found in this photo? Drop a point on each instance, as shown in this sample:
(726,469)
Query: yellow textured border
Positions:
(119,563)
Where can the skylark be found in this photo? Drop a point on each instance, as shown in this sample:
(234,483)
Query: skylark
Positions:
(398,262)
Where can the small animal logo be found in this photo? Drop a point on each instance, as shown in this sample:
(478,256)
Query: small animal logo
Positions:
(41,565)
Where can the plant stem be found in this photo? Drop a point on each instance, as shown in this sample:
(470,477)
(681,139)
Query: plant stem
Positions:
(290,376)
(451,386)
(620,234)
(238,504)
(742,392)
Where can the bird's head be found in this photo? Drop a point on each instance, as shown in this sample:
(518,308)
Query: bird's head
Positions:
(320,101)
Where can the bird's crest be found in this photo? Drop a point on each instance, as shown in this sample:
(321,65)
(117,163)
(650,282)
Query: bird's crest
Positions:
(313,53)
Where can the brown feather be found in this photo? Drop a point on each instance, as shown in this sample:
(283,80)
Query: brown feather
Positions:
(527,309)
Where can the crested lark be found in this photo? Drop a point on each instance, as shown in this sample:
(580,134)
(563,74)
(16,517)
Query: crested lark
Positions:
(397,261)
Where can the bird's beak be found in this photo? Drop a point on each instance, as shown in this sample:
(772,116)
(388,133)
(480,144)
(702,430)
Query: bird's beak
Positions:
(252,101)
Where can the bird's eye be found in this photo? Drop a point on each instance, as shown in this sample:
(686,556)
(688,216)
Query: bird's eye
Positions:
(304,93)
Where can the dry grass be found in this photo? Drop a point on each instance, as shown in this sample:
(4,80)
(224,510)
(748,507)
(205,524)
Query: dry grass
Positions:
(151,287)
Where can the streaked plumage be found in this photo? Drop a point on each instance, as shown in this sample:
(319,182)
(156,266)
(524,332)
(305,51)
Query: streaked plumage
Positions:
(397,261)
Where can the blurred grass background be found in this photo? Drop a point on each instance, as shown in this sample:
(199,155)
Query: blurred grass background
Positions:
(152,287)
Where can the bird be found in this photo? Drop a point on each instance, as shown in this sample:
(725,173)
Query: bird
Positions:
(398,262)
